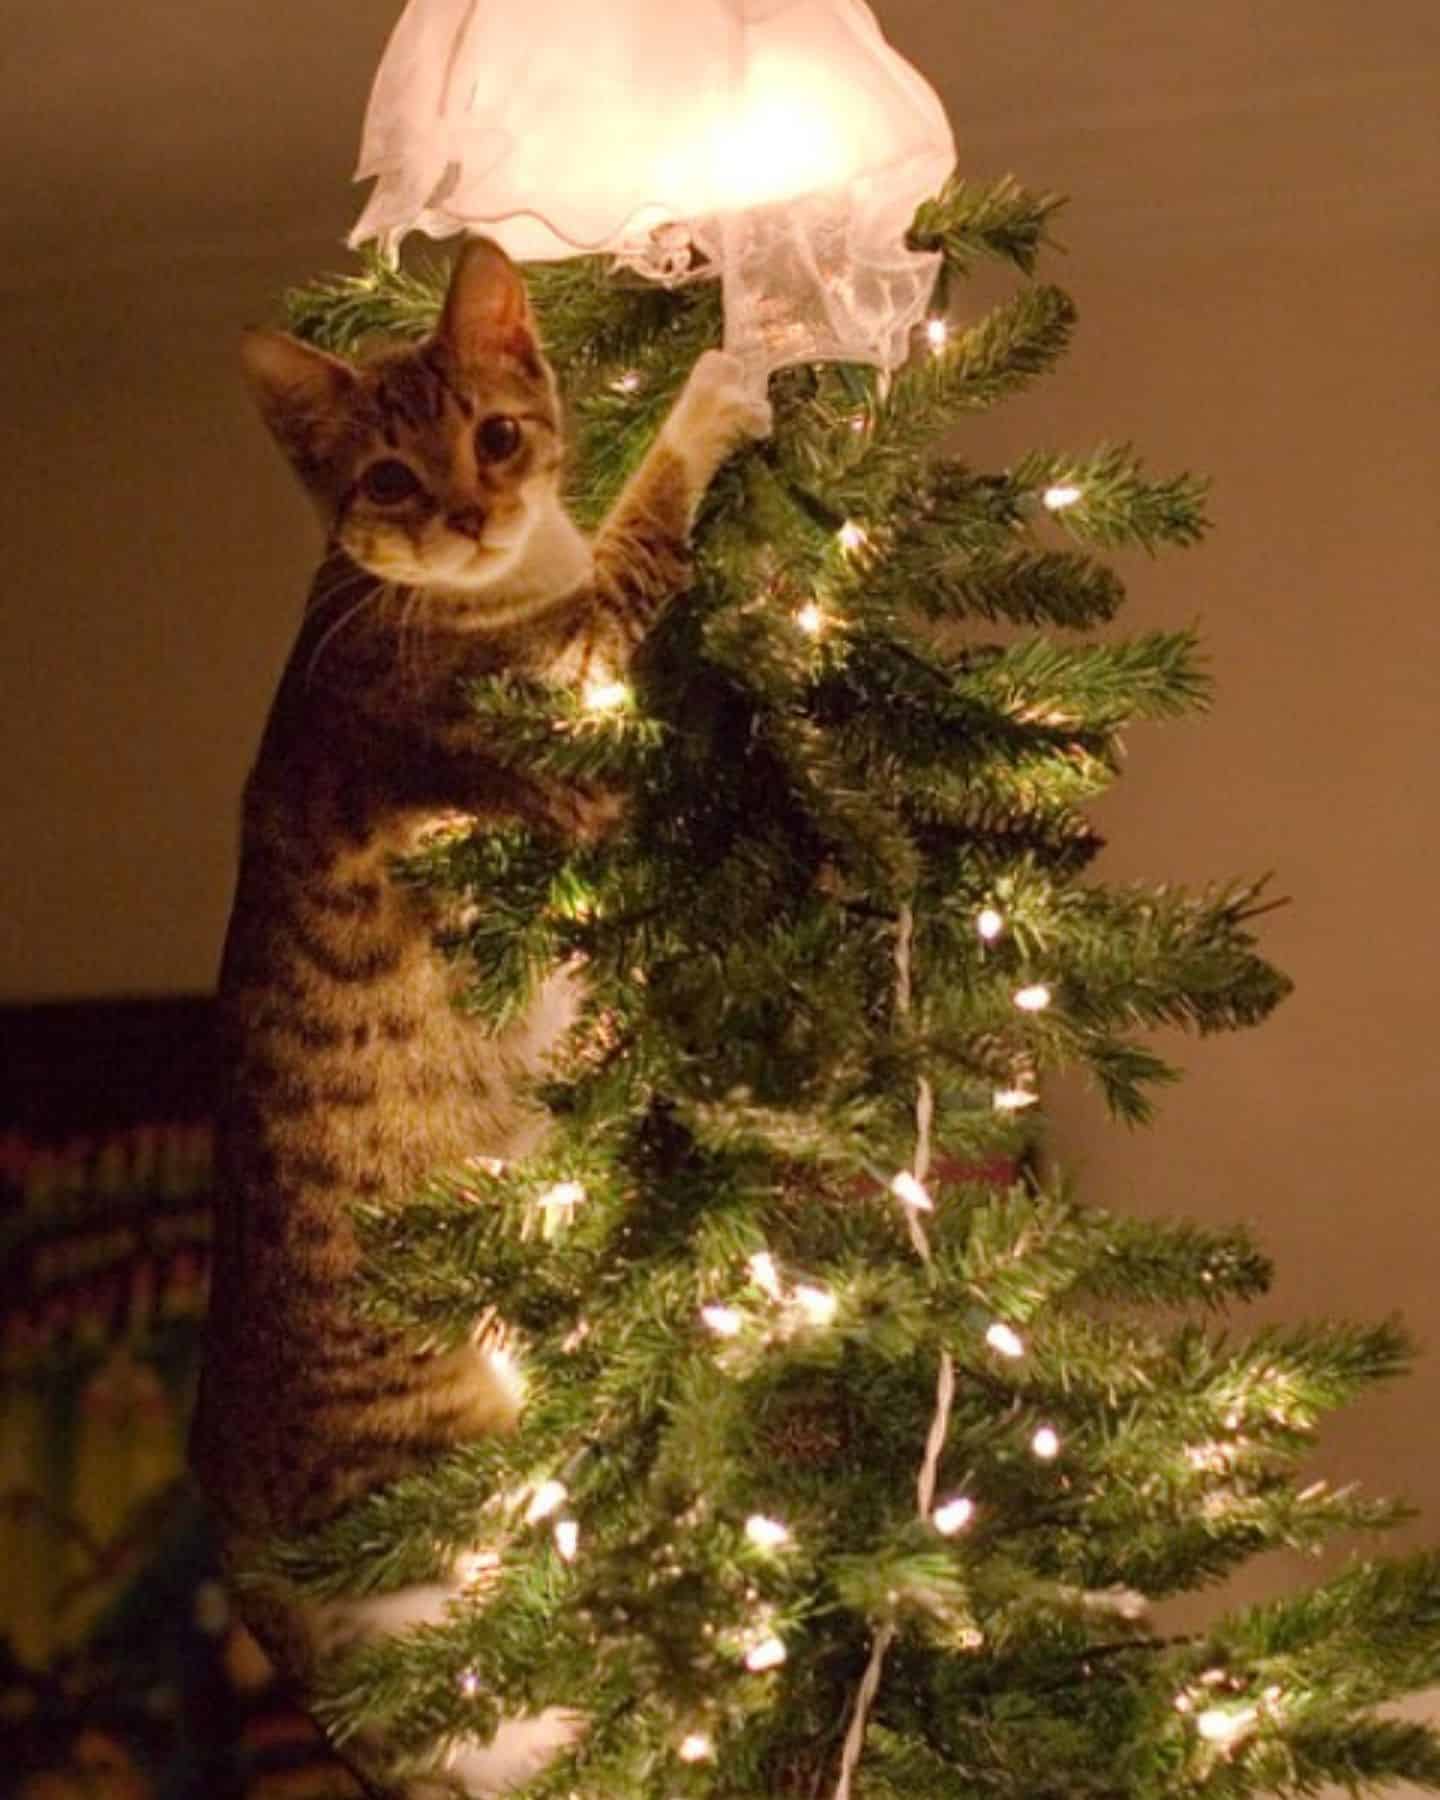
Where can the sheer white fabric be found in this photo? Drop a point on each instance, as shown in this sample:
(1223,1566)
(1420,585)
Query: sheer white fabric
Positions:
(784,139)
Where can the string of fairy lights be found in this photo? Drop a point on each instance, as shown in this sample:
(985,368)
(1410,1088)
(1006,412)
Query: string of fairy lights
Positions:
(1218,1704)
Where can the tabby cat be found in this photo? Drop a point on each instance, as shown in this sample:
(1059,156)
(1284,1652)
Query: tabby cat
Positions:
(347,1069)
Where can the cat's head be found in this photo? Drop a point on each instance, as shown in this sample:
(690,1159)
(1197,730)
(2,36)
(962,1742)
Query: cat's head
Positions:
(429,465)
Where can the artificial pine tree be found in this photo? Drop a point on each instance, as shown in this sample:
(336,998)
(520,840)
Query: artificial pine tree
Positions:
(856,1449)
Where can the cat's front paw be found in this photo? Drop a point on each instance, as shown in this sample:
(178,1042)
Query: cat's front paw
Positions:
(719,405)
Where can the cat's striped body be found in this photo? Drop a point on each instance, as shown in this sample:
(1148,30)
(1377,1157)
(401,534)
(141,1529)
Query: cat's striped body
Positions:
(348,1072)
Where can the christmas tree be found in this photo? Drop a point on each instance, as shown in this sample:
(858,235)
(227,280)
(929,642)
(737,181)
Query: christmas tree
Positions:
(858,1446)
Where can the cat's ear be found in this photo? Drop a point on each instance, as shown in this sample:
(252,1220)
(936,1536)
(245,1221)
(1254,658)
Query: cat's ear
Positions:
(301,393)
(487,310)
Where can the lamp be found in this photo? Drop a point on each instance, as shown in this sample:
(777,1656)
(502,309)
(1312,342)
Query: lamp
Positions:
(783,144)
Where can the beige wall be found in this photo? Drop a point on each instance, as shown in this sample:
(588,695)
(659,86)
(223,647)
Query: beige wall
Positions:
(1254,254)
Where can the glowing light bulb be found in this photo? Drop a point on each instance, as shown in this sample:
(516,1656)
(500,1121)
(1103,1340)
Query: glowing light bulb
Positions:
(696,1747)
(1034,998)
(604,696)
(937,332)
(724,1321)
(909,1192)
(989,924)
(769,1653)
(766,1534)
(469,1683)
(817,1304)
(474,1568)
(1005,1340)
(567,1538)
(1063,494)
(953,1516)
(564,1194)
(548,1498)
(810,619)
(764,1273)
(627,383)
(1014,1099)
(852,537)
(1046,1443)
(1223,1725)
(970,1638)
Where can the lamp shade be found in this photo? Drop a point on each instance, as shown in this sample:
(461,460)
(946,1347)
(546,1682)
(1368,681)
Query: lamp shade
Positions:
(785,140)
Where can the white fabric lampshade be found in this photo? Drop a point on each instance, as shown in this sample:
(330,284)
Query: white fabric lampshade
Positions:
(787,138)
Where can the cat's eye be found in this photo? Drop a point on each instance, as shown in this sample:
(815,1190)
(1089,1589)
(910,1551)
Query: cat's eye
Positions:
(389,481)
(497,437)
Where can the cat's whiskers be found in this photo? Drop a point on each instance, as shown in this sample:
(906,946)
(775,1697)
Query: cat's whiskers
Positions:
(348,615)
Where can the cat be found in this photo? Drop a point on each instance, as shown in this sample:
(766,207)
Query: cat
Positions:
(347,1070)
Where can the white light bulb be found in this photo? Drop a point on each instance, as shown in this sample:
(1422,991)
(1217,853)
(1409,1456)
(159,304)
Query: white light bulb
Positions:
(1014,1099)
(769,1653)
(817,1304)
(628,382)
(1060,496)
(989,924)
(909,1192)
(953,1516)
(1046,1443)
(937,331)
(852,537)
(1034,998)
(764,1273)
(604,696)
(696,1747)
(724,1321)
(1221,1725)
(473,1568)
(469,1683)
(548,1498)
(563,1196)
(766,1534)
(970,1638)
(567,1538)
(1005,1339)
(810,619)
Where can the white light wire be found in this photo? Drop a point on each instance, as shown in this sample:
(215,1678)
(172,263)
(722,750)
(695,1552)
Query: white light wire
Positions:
(944,1386)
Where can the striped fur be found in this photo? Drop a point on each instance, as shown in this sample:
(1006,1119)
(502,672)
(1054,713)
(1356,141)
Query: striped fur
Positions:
(348,1072)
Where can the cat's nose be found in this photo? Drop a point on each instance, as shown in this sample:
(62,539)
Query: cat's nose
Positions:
(469,521)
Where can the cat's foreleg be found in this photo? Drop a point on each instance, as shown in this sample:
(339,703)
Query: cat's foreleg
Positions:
(642,558)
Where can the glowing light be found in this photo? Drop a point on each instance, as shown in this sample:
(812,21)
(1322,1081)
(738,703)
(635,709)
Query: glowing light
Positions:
(469,1683)
(1063,494)
(1046,1443)
(1004,1339)
(937,332)
(769,1653)
(1034,998)
(764,1273)
(627,383)
(766,1534)
(475,1568)
(696,1747)
(564,1194)
(852,538)
(909,1192)
(817,1304)
(567,1538)
(1223,1725)
(1014,1099)
(989,924)
(810,619)
(953,1516)
(604,696)
(548,1498)
(970,1638)
(724,1321)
